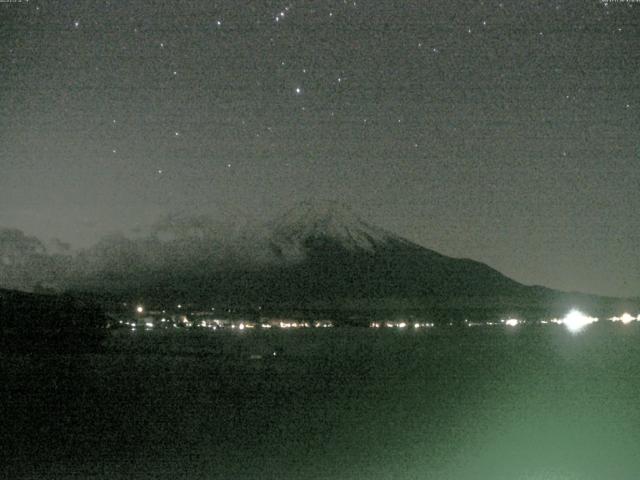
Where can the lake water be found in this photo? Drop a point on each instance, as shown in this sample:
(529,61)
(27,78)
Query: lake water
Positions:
(443,403)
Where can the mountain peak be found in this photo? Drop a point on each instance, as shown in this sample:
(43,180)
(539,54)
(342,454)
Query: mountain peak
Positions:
(328,220)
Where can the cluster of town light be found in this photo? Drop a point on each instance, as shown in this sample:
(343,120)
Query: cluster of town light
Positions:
(625,318)
(574,321)
(146,319)
(400,324)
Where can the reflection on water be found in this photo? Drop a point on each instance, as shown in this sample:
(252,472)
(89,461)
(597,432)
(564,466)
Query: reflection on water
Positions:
(526,402)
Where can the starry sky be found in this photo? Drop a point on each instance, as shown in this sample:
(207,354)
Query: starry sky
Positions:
(503,131)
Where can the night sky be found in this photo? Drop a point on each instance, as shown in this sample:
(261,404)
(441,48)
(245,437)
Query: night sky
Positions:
(502,131)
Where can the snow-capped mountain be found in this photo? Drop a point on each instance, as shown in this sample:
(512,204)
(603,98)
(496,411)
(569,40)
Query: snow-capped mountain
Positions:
(316,255)
(291,232)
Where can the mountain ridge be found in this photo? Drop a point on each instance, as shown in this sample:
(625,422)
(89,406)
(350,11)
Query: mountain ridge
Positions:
(314,254)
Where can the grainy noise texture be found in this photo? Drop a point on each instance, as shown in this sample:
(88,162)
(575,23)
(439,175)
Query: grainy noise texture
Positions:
(500,131)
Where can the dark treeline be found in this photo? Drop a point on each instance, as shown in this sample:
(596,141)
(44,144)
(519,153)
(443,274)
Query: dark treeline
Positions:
(40,322)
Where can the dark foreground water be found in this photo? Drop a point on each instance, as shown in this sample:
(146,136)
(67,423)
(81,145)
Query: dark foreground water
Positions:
(481,403)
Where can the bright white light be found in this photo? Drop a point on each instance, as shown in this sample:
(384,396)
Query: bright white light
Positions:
(625,318)
(576,320)
(512,322)
(241,326)
(139,309)
(402,325)
(149,324)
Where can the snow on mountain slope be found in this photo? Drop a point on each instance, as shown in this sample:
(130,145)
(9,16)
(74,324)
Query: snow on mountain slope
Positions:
(289,235)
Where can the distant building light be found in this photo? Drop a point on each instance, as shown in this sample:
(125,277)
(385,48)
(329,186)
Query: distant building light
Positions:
(576,320)
(625,318)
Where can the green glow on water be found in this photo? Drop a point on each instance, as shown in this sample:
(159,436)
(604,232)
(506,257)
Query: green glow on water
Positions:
(524,403)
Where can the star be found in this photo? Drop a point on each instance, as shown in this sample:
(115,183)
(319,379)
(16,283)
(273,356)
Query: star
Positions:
(76,23)
(177,134)
(298,90)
